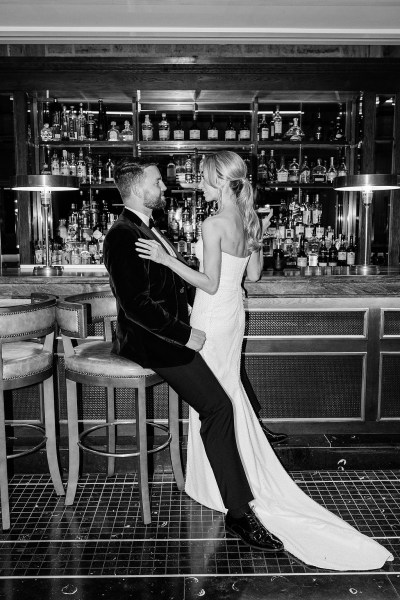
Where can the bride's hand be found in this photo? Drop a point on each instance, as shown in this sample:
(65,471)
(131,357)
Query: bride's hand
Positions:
(151,250)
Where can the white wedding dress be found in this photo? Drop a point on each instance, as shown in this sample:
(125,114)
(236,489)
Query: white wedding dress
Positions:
(308,531)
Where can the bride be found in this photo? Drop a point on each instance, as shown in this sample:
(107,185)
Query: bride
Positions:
(229,248)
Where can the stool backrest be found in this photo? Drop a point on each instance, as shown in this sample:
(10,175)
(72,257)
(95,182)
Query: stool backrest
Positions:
(74,313)
(30,318)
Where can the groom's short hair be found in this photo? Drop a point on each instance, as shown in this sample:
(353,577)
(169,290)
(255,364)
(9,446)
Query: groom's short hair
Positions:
(128,172)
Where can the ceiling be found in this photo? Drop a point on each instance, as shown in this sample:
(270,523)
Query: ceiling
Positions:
(193,21)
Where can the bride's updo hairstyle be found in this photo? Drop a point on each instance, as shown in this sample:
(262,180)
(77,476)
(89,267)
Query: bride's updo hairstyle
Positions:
(227,166)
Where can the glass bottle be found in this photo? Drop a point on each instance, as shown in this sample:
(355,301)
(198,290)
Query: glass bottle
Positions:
(113,132)
(277,118)
(194,131)
(89,168)
(147,129)
(313,250)
(171,170)
(212,131)
(230,131)
(189,169)
(127,133)
(294,133)
(350,253)
(262,169)
(316,210)
(56,120)
(55,164)
(109,178)
(305,172)
(263,130)
(331,173)
(294,171)
(72,165)
(342,168)
(323,255)
(91,127)
(307,210)
(101,121)
(333,255)
(179,133)
(81,167)
(64,165)
(244,130)
(46,117)
(272,171)
(282,173)
(64,124)
(318,128)
(163,128)
(337,134)
(46,133)
(81,123)
(319,172)
(301,255)
(72,124)
(342,255)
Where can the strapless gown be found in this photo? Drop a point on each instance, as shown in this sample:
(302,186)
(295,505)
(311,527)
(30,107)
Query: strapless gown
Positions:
(309,531)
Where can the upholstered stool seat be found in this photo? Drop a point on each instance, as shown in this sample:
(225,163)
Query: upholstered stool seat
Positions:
(26,358)
(91,362)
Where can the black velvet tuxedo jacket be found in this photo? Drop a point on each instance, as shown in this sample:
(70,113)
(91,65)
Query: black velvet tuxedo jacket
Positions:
(152,301)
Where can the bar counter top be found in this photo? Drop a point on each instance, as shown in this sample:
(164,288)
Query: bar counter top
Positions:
(291,284)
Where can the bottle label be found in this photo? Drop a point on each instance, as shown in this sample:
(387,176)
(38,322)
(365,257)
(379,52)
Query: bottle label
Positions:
(309,232)
(179,134)
(282,177)
(278,127)
(265,133)
(351,258)
(244,134)
(194,134)
(313,260)
(163,135)
(304,177)
(212,134)
(320,178)
(342,255)
(299,229)
(319,232)
(230,134)
(302,261)
(147,135)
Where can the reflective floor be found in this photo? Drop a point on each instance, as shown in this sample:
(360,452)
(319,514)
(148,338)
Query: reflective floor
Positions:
(99,548)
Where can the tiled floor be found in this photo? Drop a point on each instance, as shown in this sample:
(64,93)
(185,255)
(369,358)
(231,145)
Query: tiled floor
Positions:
(99,548)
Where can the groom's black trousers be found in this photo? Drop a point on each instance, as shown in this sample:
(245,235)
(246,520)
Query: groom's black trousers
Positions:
(199,387)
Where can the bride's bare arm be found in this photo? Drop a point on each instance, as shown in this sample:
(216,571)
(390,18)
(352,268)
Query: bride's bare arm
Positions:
(255,265)
(207,281)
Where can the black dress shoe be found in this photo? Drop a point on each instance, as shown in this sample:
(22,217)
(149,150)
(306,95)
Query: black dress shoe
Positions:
(273,438)
(251,532)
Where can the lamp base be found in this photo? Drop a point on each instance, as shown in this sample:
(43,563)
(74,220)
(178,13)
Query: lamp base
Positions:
(366,269)
(48,270)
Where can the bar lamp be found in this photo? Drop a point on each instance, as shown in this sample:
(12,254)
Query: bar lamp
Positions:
(45,184)
(366,184)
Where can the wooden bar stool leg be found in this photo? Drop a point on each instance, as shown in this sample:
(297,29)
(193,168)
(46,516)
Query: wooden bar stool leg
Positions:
(111,431)
(51,440)
(5,506)
(73,437)
(173,409)
(141,442)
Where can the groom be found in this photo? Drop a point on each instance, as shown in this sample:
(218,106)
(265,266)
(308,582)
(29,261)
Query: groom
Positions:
(153,330)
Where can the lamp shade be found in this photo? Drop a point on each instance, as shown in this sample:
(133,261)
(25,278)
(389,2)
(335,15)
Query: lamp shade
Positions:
(40,183)
(366,183)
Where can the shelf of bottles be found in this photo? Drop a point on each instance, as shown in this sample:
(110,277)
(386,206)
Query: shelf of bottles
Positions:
(294,151)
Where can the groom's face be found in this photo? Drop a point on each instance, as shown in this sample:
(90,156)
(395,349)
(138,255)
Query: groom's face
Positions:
(152,188)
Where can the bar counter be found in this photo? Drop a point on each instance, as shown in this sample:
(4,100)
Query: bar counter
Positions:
(322,352)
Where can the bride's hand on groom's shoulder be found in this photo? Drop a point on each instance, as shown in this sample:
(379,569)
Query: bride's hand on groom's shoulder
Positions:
(196,340)
(151,250)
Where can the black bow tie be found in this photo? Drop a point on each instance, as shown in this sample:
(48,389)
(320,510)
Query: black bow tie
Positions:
(151,223)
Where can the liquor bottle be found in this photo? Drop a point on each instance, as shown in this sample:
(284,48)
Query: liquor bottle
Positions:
(342,168)
(101,121)
(294,133)
(113,132)
(64,124)
(272,128)
(182,246)
(89,168)
(271,168)
(331,173)
(342,253)
(299,228)
(147,129)
(262,169)
(333,255)
(350,253)
(277,118)
(46,116)
(306,209)
(337,133)
(194,131)
(64,165)
(318,174)
(178,133)
(305,172)
(294,171)
(301,255)
(282,173)
(263,130)
(359,133)
(313,250)
(46,167)
(94,213)
(318,133)
(91,128)
(127,133)
(244,130)
(55,164)
(109,178)
(230,131)
(163,128)
(56,120)
(323,255)
(212,131)
(171,170)
(278,258)
(81,124)
(320,229)
(72,124)
(99,174)
(189,169)
(46,133)
(72,165)
(81,167)
(316,210)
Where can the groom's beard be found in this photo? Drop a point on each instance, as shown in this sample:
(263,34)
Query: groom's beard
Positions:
(153,202)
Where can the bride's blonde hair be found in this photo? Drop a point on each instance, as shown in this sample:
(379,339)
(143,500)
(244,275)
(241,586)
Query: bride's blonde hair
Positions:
(227,166)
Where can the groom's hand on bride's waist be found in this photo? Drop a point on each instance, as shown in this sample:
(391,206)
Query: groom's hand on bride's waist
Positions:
(196,340)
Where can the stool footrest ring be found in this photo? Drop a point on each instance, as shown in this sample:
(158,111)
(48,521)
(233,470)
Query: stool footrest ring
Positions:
(86,448)
(34,448)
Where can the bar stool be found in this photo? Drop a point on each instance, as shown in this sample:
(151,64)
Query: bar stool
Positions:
(26,358)
(92,363)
